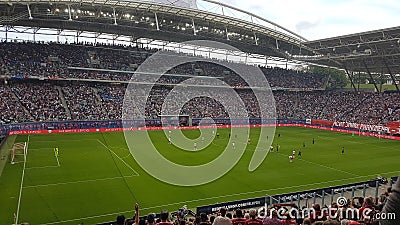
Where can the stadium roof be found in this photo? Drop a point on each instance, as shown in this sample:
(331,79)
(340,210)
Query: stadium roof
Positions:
(375,51)
(371,52)
(142,19)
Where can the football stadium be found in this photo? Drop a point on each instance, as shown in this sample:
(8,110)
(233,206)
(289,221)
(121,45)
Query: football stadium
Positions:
(193,113)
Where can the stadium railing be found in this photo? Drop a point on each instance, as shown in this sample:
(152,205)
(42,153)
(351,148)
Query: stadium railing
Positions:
(322,196)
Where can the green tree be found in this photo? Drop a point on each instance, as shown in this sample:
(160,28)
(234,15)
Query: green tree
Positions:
(336,78)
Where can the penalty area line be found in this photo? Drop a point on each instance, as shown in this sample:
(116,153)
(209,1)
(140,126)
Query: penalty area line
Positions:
(77,182)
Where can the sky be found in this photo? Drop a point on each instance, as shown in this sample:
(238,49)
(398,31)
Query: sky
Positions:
(317,19)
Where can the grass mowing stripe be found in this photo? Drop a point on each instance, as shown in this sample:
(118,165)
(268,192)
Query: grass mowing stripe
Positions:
(22,180)
(46,203)
(88,217)
(321,165)
(111,151)
(216,197)
(77,182)
(119,171)
(385,147)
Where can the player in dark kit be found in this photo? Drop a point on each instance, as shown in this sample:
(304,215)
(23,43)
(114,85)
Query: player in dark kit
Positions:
(299,154)
(342,150)
(313,140)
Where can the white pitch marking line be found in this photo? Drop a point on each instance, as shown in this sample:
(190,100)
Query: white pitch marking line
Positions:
(41,167)
(22,181)
(77,182)
(37,149)
(67,140)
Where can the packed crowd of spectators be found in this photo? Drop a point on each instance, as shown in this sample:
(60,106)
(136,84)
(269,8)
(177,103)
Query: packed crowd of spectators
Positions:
(293,79)
(11,110)
(362,107)
(88,61)
(60,100)
(42,101)
(84,102)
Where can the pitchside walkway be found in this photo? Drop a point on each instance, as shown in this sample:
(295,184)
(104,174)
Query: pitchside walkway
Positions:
(5,150)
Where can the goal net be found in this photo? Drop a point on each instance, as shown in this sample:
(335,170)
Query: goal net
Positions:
(176,120)
(18,152)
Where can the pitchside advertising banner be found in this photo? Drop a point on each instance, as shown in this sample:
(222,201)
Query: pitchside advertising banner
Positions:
(243,204)
(115,126)
(390,128)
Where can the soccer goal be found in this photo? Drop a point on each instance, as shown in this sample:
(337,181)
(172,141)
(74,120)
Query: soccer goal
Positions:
(18,152)
(176,120)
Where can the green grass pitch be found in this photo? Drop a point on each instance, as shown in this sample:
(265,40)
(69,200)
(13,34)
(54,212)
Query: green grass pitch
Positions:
(96,178)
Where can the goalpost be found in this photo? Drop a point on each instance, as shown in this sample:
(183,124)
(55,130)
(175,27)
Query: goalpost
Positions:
(18,152)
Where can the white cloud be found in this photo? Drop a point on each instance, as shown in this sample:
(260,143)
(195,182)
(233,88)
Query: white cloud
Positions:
(315,19)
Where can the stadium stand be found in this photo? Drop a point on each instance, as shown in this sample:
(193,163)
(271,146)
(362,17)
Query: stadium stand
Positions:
(11,109)
(40,101)
(53,60)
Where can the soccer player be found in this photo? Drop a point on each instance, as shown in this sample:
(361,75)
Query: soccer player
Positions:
(248,141)
(291,158)
(313,140)
(304,144)
(233,145)
(299,154)
(277,147)
(169,140)
(195,146)
(342,150)
(294,153)
(271,148)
